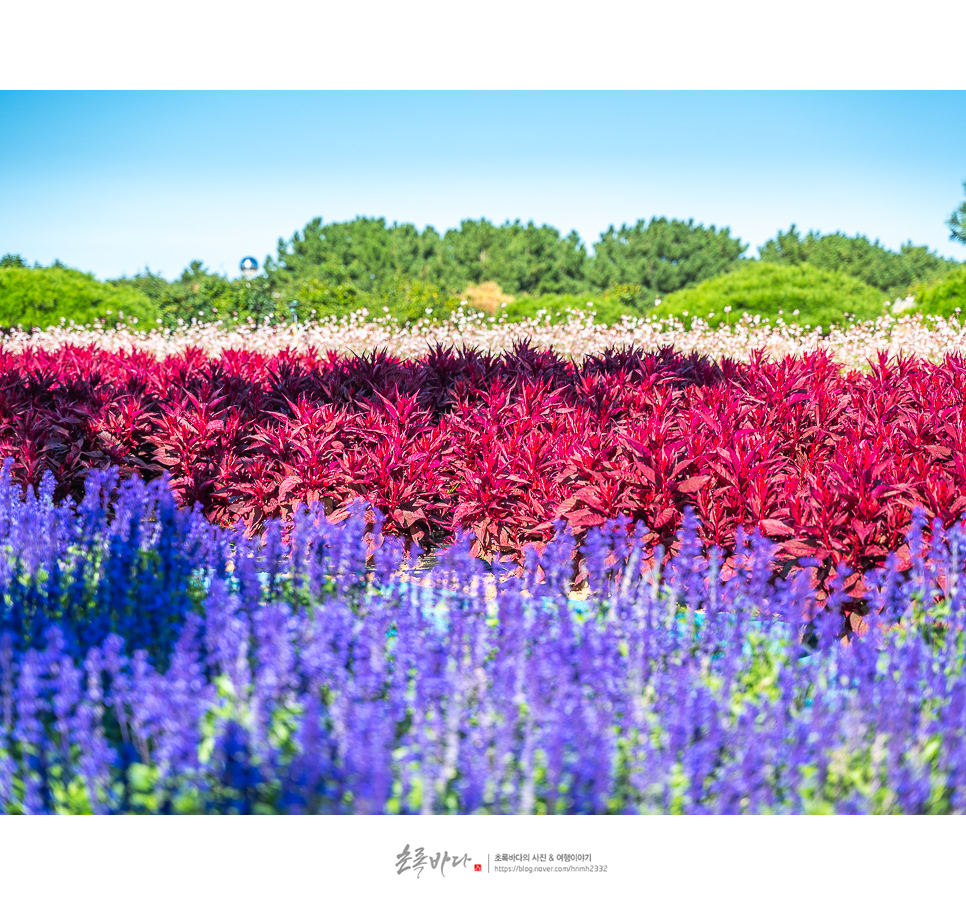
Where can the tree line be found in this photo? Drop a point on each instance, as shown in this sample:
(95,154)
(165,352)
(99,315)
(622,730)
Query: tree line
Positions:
(338,267)
(659,256)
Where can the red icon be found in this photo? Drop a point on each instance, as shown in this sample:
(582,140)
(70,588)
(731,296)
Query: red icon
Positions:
(477,867)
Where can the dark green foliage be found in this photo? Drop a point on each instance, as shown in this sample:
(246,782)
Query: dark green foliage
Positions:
(365,253)
(520,258)
(892,272)
(408,300)
(207,296)
(957,222)
(42,296)
(405,299)
(371,256)
(820,297)
(342,267)
(661,256)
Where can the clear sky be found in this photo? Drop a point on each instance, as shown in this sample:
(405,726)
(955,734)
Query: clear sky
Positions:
(113,182)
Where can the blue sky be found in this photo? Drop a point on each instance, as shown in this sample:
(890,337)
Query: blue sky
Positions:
(112,182)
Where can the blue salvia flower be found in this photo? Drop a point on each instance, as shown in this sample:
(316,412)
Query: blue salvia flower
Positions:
(7,765)
(238,776)
(29,731)
(186,696)
(96,755)
(669,688)
(147,712)
(227,637)
(311,768)
(66,693)
(274,669)
(115,666)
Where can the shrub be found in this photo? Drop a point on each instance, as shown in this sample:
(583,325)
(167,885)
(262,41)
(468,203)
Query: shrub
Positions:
(892,272)
(486,297)
(607,308)
(799,293)
(42,296)
(946,296)
(200,295)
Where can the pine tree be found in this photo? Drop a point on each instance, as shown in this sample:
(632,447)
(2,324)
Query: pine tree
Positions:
(957,222)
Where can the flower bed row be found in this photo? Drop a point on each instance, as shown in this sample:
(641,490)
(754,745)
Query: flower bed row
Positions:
(828,463)
(151,661)
(852,342)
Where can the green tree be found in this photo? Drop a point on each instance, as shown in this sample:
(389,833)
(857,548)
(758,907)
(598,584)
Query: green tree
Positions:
(202,295)
(365,252)
(326,291)
(415,255)
(661,256)
(785,247)
(519,258)
(374,257)
(957,222)
(892,272)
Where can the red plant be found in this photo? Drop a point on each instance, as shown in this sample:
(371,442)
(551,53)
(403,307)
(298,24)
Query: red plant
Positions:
(827,463)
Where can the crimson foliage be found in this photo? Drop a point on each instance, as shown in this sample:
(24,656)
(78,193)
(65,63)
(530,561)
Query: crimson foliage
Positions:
(827,463)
